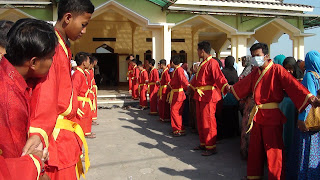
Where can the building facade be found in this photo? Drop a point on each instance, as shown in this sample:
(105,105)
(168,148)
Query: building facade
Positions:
(161,28)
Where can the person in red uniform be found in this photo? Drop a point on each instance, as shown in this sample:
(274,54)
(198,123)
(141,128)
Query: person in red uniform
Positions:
(207,83)
(54,104)
(30,47)
(135,80)
(130,70)
(143,87)
(267,83)
(163,105)
(81,87)
(93,91)
(153,87)
(178,84)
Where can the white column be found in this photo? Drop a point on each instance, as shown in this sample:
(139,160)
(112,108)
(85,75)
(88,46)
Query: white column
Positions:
(295,46)
(157,44)
(166,43)
(301,48)
(242,47)
(234,44)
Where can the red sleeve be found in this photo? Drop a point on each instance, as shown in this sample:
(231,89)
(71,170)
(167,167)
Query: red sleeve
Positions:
(156,76)
(43,106)
(136,73)
(184,81)
(146,78)
(26,167)
(243,88)
(218,77)
(296,91)
(77,82)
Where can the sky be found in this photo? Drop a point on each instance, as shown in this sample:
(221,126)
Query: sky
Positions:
(284,45)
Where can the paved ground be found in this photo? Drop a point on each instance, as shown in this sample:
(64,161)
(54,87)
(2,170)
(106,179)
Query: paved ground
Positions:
(131,145)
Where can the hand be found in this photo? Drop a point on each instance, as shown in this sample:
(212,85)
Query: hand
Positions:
(302,126)
(228,88)
(34,142)
(158,83)
(147,81)
(45,177)
(314,101)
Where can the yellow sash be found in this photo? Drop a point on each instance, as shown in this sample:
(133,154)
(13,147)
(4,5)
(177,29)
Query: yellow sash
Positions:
(150,84)
(76,128)
(202,88)
(170,97)
(255,109)
(84,100)
(161,89)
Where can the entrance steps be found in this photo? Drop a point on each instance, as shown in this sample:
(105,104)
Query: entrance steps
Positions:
(115,98)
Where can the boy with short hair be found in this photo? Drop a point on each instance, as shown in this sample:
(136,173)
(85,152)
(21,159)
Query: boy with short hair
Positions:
(130,71)
(4,29)
(81,86)
(53,104)
(31,45)
(267,83)
(135,80)
(163,105)
(153,87)
(93,90)
(143,80)
(178,85)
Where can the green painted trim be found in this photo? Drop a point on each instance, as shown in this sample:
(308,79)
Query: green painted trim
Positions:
(145,8)
(178,17)
(39,13)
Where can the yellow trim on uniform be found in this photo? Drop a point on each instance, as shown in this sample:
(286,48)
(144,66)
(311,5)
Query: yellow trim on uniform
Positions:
(62,44)
(76,128)
(37,164)
(94,118)
(42,133)
(255,110)
(203,63)
(69,109)
(305,101)
(150,84)
(170,98)
(261,76)
(222,89)
(234,93)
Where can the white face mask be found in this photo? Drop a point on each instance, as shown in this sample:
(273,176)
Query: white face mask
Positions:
(258,61)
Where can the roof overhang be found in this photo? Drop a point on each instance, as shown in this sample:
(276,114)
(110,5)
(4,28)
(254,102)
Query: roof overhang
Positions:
(25,4)
(163,3)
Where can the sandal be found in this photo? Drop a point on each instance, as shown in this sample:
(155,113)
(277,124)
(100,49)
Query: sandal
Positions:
(197,148)
(209,152)
(94,123)
(91,136)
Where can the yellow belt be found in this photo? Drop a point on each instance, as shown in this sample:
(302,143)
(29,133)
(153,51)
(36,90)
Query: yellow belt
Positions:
(140,86)
(255,109)
(203,88)
(160,90)
(150,84)
(170,95)
(76,128)
(84,100)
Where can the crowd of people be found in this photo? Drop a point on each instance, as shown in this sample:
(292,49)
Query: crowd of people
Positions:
(270,94)
(48,107)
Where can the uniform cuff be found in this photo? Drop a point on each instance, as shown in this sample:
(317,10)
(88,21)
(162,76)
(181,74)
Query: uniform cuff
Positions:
(41,133)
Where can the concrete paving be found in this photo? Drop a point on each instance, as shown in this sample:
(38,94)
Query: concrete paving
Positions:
(131,145)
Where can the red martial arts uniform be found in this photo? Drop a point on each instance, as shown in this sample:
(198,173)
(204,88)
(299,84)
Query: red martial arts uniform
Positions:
(266,134)
(206,81)
(93,96)
(80,84)
(129,75)
(163,105)
(135,82)
(178,84)
(143,87)
(14,123)
(53,111)
(153,90)
(15,109)
(26,167)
